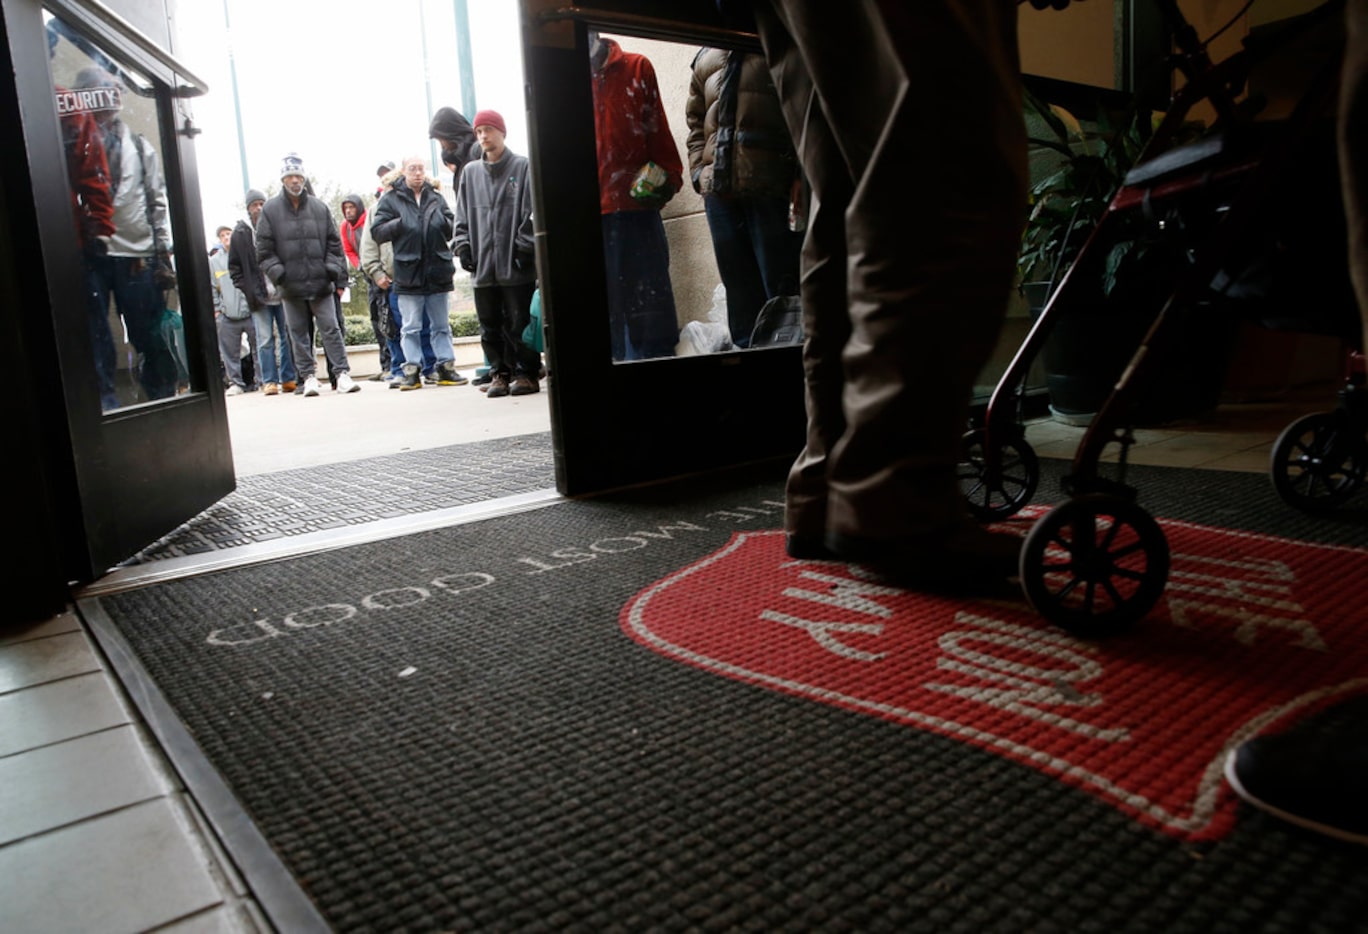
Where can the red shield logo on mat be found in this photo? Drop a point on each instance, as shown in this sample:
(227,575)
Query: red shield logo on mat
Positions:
(1252,632)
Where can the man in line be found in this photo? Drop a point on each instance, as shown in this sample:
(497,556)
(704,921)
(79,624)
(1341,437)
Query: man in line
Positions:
(493,238)
(301,253)
(377,261)
(456,136)
(742,162)
(232,316)
(905,286)
(632,136)
(417,220)
(268,315)
(353,225)
(140,243)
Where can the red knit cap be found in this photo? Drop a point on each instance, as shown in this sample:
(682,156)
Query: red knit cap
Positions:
(490,118)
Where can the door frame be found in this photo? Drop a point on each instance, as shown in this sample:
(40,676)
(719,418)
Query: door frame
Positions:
(617,425)
(116,482)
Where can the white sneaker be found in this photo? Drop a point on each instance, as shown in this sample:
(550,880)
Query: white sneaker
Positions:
(346,384)
(235,390)
(311,386)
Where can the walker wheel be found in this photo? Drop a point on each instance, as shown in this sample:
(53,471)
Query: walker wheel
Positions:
(1016,481)
(1317,462)
(1095,565)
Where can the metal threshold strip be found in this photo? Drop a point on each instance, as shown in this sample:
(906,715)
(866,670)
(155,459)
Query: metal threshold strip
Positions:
(156,572)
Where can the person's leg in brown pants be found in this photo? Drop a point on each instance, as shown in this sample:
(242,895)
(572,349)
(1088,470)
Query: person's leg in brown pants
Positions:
(915,149)
(1353,149)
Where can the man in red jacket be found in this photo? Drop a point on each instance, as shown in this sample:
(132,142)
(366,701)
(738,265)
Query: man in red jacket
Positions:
(639,171)
(351,228)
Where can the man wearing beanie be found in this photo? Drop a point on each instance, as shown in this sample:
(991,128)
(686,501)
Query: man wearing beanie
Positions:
(268,316)
(493,240)
(300,252)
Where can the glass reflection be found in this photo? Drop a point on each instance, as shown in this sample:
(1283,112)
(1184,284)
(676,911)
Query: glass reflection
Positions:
(119,204)
(690,267)
(639,172)
(741,160)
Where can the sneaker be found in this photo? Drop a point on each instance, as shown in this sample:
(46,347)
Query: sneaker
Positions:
(448,376)
(289,386)
(235,390)
(411,378)
(311,386)
(394,382)
(498,386)
(346,384)
(271,389)
(523,386)
(430,378)
(1314,779)
(483,379)
(377,378)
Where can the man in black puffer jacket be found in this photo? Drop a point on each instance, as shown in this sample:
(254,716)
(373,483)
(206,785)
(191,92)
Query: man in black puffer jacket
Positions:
(300,251)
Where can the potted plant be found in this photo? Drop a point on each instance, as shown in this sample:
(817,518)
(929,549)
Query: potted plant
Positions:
(1081,170)
(1120,286)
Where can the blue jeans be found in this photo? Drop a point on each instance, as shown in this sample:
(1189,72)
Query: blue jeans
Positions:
(140,305)
(419,311)
(273,371)
(757,255)
(641,307)
(396,346)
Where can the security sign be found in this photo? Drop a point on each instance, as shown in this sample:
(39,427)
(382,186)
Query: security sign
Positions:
(1253,633)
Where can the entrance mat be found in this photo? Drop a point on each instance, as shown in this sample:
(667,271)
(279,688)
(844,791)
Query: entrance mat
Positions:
(635,713)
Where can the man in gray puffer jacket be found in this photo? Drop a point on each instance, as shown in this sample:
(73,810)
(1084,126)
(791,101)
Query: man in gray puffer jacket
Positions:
(300,251)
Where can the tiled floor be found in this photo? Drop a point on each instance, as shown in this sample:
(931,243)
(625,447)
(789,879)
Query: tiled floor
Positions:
(98,834)
(1234,437)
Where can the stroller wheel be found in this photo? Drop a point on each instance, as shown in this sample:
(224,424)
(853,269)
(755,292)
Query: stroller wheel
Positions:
(1317,462)
(1095,565)
(1016,480)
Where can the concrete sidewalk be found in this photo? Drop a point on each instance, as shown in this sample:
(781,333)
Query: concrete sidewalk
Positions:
(272,433)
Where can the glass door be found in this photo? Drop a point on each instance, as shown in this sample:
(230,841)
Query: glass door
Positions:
(117,262)
(656,367)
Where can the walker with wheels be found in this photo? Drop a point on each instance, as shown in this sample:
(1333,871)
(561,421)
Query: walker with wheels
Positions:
(1218,216)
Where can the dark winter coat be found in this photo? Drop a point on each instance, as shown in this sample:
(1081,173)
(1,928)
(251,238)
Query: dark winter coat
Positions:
(244,268)
(738,141)
(420,232)
(299,248)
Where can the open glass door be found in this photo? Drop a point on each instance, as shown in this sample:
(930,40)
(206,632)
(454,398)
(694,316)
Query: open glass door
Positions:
(117,262)
(624,282)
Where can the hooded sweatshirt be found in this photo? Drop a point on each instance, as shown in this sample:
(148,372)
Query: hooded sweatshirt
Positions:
(351,231)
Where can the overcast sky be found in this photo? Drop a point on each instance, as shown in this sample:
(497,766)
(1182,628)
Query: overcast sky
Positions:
(341,82)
